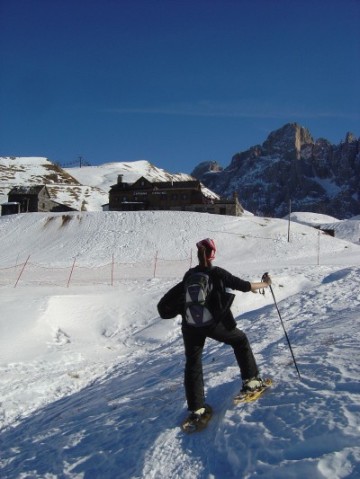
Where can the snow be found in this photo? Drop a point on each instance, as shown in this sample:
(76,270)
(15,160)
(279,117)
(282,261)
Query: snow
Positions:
(91,379)
(105,175)
(343,229)
(312,219)
(329,185)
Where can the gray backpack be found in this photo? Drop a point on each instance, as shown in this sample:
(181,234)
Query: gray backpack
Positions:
(198,287)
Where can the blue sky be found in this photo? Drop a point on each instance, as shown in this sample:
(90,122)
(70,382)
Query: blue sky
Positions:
(174,82)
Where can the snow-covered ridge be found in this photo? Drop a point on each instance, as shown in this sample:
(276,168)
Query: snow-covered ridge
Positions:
(105,175)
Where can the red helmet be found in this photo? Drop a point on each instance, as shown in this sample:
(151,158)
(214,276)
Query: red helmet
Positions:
(209,246)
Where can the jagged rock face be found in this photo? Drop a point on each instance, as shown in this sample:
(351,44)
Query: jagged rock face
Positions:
(205,167)
(315,175)
(288,141)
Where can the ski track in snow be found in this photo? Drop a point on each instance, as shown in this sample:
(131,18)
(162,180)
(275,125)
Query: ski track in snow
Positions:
(105,399)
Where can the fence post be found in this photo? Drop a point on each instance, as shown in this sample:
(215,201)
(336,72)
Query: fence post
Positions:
(112,271)
(71,272)
(155,263)
(21,272)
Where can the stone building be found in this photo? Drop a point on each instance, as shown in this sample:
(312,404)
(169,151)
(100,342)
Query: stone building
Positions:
(33,199)
(189,195)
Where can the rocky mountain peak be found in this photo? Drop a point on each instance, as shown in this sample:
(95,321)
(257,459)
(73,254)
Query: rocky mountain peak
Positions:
(206,167)
(350,137)
(317,176)
(290,138)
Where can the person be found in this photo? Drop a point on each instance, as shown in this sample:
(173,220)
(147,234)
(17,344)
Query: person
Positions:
(222,328)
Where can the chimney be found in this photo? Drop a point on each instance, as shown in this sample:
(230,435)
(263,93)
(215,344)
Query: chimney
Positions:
(120,177)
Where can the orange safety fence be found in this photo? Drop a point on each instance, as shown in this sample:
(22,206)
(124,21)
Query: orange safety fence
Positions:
(30,273)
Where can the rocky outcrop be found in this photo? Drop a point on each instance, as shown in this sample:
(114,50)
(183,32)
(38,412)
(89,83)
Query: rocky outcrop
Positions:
(290,165)
(206,167)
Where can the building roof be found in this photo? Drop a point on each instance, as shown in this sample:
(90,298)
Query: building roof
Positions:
(175,183)
(26,190)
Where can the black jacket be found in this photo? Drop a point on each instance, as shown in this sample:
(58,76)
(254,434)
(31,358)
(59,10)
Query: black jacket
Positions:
(173,302)
(220,300)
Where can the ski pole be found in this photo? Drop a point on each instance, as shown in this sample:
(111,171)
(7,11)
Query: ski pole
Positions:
(282,324)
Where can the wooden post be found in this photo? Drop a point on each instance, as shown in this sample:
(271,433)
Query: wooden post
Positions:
(289,221)
(155,263)
(22,270)
(71,272)
(112,271)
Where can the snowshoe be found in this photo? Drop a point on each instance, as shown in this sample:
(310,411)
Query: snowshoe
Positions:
(249,395)
(197,422)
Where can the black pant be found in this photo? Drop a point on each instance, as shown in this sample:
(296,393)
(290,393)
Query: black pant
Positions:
(194,341)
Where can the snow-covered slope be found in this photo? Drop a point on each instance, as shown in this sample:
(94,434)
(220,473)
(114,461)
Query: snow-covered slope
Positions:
(343,229)
(91,377)
(106,175)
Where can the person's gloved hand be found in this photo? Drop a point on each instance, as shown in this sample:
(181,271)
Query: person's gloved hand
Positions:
(266,278)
